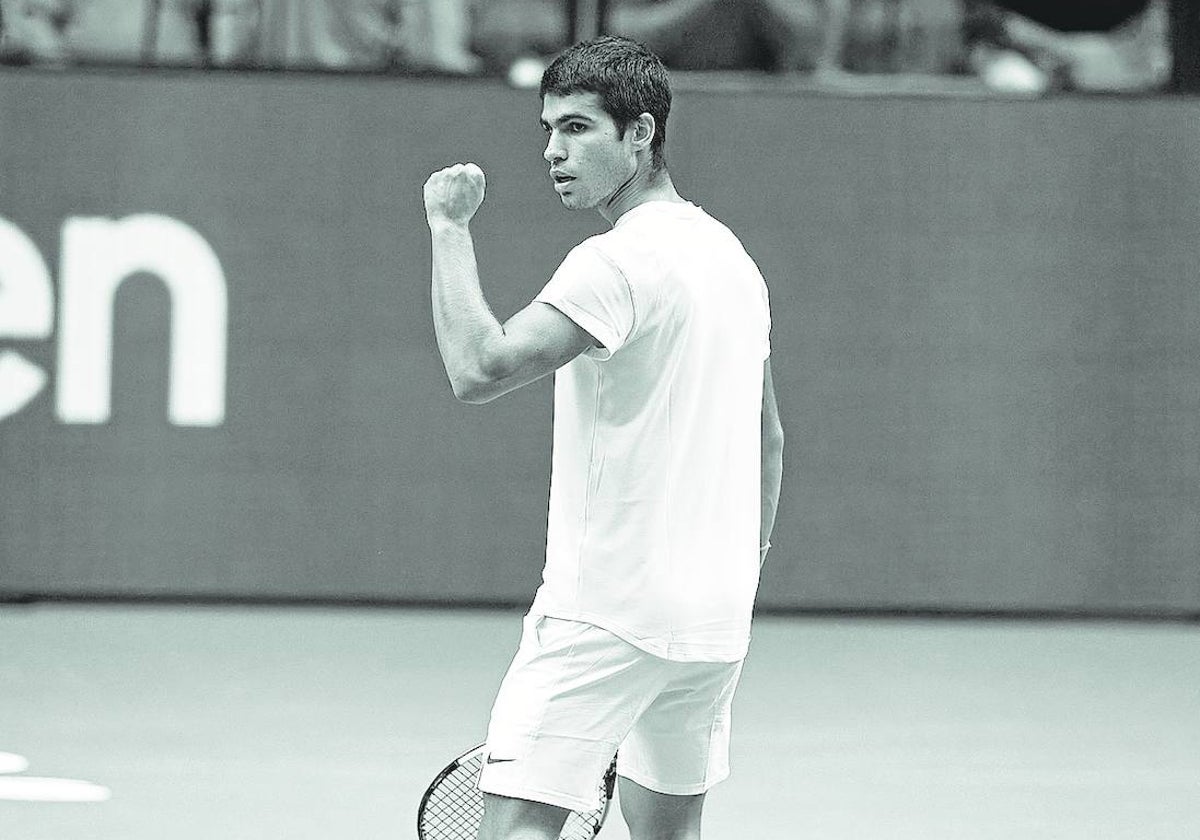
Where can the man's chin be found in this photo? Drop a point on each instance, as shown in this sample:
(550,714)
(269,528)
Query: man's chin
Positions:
(571,201)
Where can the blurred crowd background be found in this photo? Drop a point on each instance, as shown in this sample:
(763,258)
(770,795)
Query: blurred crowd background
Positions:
(1011,46)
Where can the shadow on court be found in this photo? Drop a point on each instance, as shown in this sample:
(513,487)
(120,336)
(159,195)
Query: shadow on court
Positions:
(307,723)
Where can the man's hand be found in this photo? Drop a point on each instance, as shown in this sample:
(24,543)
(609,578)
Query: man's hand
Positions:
(454,194)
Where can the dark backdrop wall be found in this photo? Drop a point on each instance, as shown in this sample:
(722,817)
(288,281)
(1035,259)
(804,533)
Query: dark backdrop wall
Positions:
(987,340)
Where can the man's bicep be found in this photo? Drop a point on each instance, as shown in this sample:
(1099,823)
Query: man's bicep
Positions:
(540,339)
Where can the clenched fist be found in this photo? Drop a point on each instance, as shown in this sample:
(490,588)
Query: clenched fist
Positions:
(454,194)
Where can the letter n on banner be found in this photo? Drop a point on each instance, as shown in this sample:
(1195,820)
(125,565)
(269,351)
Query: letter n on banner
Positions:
(98,255)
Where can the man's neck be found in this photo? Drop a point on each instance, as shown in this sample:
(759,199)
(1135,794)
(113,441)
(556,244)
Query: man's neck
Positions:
(645,185)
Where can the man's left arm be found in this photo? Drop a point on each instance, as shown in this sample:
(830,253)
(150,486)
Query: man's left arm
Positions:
(772,460)
(484,358)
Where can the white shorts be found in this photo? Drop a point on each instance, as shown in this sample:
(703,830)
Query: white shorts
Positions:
(575,694)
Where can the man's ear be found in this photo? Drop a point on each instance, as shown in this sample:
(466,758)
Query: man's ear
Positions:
(643,128)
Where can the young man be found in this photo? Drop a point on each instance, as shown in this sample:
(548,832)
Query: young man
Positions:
(666,462)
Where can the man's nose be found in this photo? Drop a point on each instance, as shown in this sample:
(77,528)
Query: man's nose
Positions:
(554,152)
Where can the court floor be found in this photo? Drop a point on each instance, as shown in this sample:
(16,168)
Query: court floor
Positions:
(308,723)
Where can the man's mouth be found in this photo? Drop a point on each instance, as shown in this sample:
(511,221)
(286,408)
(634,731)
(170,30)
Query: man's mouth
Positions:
(561,177)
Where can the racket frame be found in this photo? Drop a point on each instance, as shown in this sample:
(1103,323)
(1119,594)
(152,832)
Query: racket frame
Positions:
(609,787)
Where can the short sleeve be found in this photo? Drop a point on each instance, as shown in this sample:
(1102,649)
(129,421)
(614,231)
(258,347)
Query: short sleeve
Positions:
(591,290)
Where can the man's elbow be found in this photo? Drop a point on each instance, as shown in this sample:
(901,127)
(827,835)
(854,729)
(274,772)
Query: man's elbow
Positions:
(487,373)
(479,383)
(473,390)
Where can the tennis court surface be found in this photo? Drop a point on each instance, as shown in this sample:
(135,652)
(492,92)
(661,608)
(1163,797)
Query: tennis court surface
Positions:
(310,723)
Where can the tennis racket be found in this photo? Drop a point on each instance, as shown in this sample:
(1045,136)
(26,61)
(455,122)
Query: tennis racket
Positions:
(452,807)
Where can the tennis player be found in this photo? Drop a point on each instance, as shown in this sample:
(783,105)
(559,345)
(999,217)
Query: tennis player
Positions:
(665,473)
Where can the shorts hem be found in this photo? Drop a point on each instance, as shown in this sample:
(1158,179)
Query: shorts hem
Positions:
(671,790)
(672,651)
(555,798)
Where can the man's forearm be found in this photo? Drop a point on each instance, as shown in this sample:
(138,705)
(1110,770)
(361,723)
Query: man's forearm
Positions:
(772,481)
(772,459)
(462,321)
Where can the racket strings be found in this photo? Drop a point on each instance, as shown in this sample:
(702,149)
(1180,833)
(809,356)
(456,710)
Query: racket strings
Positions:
(581,826)
(453,808)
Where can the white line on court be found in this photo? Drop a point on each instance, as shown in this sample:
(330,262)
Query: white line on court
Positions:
(44,789)
(13,763)
(38,789)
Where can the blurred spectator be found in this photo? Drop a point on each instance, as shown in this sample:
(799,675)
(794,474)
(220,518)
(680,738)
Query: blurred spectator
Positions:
(351,35)
(508,32)
(105,31)
(867,36)
(827,36)
(687,34)
(1025,46)
(716,35)
(448,28)
(1185,45)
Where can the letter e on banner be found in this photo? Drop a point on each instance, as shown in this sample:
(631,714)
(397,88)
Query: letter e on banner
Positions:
(98,255)
(26,312)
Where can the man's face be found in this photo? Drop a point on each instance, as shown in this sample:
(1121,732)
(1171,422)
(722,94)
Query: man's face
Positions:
(588,159)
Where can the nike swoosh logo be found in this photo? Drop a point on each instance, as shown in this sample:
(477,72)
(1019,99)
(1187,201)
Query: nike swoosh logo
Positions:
(491,760)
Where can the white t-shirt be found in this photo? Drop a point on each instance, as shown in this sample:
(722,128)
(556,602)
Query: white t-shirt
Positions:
(655,484)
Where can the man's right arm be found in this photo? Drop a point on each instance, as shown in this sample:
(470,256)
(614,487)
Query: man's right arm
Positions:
(483,357)
(772,459)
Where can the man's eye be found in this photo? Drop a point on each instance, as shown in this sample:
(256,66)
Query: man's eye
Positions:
(576,128)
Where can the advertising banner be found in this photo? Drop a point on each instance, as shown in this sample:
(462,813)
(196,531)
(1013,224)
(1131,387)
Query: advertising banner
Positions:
(218,376)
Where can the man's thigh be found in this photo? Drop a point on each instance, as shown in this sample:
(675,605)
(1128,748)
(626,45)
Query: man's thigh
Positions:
(680,742)
(567,702)
(504,817)
(649,813)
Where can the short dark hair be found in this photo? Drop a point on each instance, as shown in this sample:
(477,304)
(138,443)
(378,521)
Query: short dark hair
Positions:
(629,79)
